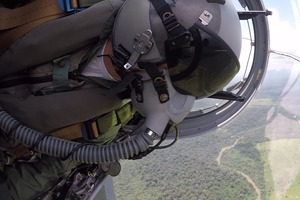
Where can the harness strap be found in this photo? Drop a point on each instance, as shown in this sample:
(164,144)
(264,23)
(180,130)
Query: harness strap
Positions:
(100,129)
(40,9)
(61,67)
(16,22)
(28,13)
(121,86)
(69,133)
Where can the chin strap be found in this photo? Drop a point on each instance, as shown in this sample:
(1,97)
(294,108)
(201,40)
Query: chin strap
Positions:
(197,44)
(178,35)
(159,81)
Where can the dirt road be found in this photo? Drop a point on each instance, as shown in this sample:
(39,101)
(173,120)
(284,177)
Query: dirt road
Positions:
(257,190)
(226,149)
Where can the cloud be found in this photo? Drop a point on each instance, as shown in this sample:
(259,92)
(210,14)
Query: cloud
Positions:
(296,11)
(283,35)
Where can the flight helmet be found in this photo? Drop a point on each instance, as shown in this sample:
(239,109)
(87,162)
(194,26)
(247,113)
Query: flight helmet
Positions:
(200,40)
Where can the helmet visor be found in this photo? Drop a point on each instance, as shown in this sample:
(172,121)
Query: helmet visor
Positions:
(216,66)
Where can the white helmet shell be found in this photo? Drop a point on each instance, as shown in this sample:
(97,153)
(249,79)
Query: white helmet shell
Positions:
(201,46)
(137,16)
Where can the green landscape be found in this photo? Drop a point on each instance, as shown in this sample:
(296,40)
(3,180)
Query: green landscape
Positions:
(247,159)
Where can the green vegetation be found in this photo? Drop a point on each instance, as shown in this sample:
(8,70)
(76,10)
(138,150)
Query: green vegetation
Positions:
(284,164)
(269,183)
(282,168)
(293,191)
(189,169)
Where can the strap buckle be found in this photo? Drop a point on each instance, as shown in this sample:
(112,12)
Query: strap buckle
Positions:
(141,45)
(178,41)
(69,6)
(61,68)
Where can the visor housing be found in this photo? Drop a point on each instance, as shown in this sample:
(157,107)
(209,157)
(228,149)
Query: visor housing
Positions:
(217,67)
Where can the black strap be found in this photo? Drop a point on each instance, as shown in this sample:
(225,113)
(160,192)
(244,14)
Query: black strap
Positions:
(137,84)
(120,87)
(159,81)
(173,27)
(119,58)
(197,43)
(177,34)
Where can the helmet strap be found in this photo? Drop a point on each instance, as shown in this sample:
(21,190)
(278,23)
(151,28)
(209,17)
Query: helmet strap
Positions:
(159,80)
(197,43)
(178,35)
(120,57)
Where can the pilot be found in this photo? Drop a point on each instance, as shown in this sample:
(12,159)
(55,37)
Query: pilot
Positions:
(173,53)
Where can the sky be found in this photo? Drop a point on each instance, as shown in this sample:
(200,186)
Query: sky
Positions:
(284,25)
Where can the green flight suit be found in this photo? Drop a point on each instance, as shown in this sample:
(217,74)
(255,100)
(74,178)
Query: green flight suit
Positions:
(29,180)
(44,113)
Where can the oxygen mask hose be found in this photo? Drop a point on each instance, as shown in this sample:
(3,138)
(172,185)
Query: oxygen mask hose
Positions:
(84,153)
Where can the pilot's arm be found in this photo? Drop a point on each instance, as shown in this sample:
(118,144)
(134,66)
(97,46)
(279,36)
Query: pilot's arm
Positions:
(29,180)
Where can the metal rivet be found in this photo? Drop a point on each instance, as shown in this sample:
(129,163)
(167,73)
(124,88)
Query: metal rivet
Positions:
(139,97)
(164,97)
(207,14)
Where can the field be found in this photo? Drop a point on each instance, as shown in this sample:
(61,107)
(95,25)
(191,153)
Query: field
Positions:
(282,168)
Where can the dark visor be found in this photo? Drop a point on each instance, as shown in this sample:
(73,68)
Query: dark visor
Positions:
(217,65)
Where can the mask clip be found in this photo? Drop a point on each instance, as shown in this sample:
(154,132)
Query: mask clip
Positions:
(141,45)
(205,17)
